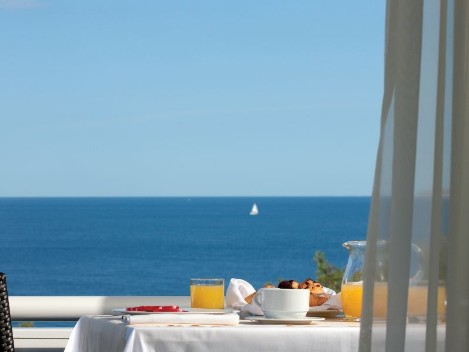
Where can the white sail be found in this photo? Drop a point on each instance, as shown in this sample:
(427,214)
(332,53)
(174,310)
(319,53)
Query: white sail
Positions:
(254,210)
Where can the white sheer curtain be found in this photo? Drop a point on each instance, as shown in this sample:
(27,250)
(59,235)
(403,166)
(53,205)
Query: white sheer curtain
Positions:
(416,285)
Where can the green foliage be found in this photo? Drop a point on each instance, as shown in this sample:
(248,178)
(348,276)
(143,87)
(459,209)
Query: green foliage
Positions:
(26,324)
(327,274)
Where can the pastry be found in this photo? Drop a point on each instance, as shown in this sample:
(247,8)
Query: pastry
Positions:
(248,298)
(288,284)
(317,299)
(317,296)
(313,286)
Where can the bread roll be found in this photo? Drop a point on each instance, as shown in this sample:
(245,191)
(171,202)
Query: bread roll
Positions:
(317,295)
(317,299)
(288,284)
(248,299)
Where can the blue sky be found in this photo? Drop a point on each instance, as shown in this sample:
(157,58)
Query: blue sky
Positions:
(188,98)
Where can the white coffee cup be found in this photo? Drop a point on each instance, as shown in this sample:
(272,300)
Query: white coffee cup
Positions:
(279,303)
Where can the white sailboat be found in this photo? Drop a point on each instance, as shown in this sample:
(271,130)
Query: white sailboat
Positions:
(254,210)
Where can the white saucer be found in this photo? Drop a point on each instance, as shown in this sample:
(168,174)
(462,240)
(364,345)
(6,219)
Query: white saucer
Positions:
(325,313)
(302,321)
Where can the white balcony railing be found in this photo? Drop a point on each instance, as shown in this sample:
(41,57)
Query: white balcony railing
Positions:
(69,308)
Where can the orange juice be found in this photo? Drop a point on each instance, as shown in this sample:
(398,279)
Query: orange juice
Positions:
(416,300)
(380,300)
(351,296)
(207,296)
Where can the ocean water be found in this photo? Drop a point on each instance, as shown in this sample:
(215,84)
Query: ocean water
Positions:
(153,246)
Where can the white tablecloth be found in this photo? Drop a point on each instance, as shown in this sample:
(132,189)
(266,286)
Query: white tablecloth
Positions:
(106,333)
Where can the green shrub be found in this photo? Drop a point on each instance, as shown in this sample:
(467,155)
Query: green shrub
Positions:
(327,274)
(26,324)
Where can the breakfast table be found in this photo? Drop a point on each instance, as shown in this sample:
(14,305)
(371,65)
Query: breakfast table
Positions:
(112,333)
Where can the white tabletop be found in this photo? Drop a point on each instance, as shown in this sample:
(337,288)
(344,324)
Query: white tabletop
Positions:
(109,333)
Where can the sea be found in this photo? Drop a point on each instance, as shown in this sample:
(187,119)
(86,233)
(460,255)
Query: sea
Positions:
(121,246)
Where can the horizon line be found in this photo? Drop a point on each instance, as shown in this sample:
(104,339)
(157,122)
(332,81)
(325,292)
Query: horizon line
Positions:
(190,196)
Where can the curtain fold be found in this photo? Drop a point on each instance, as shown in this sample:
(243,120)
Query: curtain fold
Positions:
(416,290)
(458,238)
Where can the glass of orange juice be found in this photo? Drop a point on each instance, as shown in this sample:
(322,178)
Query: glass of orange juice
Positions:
(207,293)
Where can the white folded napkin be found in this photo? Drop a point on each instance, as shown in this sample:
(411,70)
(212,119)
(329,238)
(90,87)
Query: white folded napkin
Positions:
(252,309)
(176,319)
(236,292)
